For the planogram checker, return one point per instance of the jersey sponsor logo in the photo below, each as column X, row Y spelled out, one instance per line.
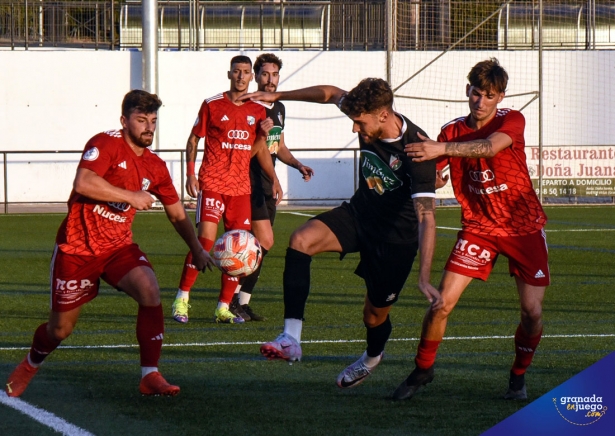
column 480, row 256
column 488, row 191
column 224, row 118
column 145, row 184
column 119, row 206
column 238, row 134
column 91, row 155
column 377, row 174
column 212, row 203
column 482, row 176
column 251, row 120
column 273, row 139
column 122, row 165
column 236, row 146
column 103, row 212
column 69, row 286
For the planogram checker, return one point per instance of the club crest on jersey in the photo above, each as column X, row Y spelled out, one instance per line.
column 91, row 154
column 251, row 120
column 281, row 118
column 145, row 184
column 394, row 162
column 377, row 174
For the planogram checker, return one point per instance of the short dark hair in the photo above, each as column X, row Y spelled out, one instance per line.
column 142, row 101
column 241, row 59
column 267, row 58
column 368, row 96
column 489, row 75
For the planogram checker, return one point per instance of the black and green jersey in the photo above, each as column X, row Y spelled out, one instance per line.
column 277, row 112
column 388, row 182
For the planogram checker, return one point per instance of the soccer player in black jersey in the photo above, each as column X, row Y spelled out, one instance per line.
column 388, row 219
column 267, row 75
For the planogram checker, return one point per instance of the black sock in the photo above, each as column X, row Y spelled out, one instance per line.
column 377, row 337
column 248, row 282
column 296, row 283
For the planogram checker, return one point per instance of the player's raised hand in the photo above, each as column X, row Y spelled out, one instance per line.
column 427, row 149
column 141, row 200
column 192, row 185
column 266, row 125
column 432, row 295
column 306, row 172
column 202, row 260
column 267, row 97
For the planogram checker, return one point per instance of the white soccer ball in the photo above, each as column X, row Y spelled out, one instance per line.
column 237, row 253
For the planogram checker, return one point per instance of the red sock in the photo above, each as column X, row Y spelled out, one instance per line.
column 228, row 286
column 189, row 273
column 525, row 347
column 42, row 344
column 150, row 331
column 426, row 353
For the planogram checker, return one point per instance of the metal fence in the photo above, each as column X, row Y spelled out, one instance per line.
column 305, row 25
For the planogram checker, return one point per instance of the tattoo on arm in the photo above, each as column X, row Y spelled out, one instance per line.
column 477, row 148
column 424, row 206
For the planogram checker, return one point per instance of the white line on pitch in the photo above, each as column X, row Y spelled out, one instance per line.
column 313, row 341
column 457, row 228
column 42, row 416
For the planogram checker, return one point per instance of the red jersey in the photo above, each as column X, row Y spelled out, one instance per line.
column 496, row 194
column 230, row 132
column 94, row 227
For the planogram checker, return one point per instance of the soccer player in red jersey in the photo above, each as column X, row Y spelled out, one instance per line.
column 117, row 176
column 267, row 75
column 501, row 214
column 233, row 133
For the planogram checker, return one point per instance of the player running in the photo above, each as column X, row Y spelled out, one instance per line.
column 387, row 220
column 501, row 214
column 117, row 176
column 232, row 136
column 267, row 75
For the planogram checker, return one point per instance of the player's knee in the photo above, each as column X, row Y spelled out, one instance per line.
column 444, row 310
column 266, row 242
column 531, row 315
column 59, row 332
column 298, row 241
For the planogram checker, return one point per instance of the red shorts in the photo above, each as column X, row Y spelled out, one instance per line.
column 75, row 279
column 475, row 255
column 235, row 210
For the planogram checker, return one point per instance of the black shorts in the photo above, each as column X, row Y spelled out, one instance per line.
column 263, row 206
column 384, row 266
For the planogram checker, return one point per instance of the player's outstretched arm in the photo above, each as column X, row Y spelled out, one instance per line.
column 425, row 212
column 184, row 227
column 192, row 183
column 287, row 157
column 91, row 185
column 313, row 94
column 478, row 148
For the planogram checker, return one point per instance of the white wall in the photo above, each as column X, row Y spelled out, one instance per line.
column 57, row 100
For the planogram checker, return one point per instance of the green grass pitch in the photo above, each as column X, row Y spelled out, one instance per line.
column 229, row 389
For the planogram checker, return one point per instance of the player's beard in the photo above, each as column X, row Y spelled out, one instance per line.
column 143, row 140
